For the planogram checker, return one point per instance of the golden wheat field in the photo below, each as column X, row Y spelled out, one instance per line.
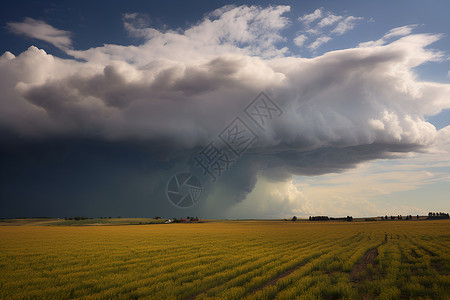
column 228, row 260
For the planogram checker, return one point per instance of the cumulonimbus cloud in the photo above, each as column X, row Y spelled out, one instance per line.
column 182, row 87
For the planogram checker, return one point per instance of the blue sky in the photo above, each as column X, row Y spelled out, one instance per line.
column 97, row 99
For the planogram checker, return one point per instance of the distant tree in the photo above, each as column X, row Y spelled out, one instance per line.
column 294, row 218
column 310, row 218
column 417, row 217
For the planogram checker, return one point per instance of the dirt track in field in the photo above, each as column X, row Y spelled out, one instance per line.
column 368, row 258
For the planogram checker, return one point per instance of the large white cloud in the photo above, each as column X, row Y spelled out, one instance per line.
column 184, row 86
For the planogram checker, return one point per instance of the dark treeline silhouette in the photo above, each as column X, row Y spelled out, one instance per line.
column 77, row 218
column 438, row 215
column 319, row 218
column 326, row 218
column 347, row 218
column 431, row 215
column 398, row 217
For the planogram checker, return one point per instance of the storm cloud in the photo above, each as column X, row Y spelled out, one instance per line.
column 169, row 97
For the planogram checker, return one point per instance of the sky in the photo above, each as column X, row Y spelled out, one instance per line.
column 222, row 109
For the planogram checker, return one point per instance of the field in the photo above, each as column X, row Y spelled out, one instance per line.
column 93, row 222
column 228, row 260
